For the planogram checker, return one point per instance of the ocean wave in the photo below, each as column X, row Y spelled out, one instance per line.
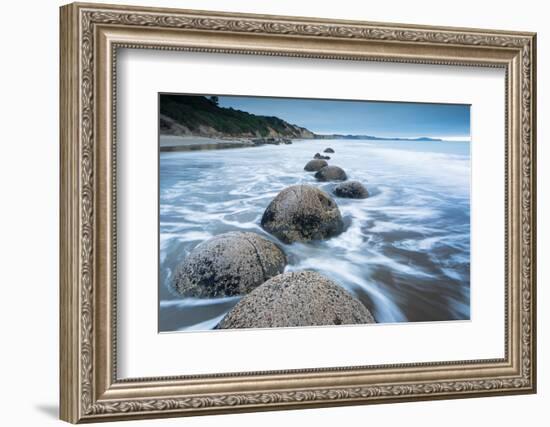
column 405, row 251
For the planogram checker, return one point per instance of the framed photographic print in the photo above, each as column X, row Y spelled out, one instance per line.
column 267, row 212
column 277, row 211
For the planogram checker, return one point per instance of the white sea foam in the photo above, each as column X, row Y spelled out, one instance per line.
column 195, row 302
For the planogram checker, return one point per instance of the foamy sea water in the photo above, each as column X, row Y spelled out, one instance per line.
column 406, row 249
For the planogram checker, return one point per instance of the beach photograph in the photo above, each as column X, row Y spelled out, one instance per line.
column 292, row 212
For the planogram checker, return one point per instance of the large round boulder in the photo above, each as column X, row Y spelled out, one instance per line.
column 303, row 298
column 229, row 264
column 301, row 213
column 351, row 190
column 315, row 165
column 331, row 173
column 328, row 150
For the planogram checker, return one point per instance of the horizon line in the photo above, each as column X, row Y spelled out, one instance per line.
column 442, row 137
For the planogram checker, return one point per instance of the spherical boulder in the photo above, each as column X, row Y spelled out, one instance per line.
column 328, row 150
column 331, row 173
column 229, row 264
column 303, row 298
column 301, row 213
column 351, row 190
column 315, row 165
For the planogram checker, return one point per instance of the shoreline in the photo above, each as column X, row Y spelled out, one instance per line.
column 170, row 143
column 173, row 143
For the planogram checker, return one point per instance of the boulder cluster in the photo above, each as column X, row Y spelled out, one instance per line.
column 327, row 173
column 247, row 264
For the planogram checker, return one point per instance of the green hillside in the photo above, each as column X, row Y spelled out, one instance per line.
column 202, row 116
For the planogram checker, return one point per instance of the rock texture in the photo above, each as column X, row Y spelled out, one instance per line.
column 301, row 213
column 352, row 190
column 331, row 173
column 303, row 298
column 315, row 165
column 230, row 264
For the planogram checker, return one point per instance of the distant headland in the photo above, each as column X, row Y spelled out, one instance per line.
column 374, row 138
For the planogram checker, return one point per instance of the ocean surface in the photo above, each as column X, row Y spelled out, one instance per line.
column 405, row 252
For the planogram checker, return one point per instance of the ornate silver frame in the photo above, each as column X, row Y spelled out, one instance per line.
column 90, row 36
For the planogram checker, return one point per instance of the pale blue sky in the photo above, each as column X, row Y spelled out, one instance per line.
column 384, row 119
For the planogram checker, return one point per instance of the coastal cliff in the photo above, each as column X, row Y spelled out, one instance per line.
column 202, row 116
